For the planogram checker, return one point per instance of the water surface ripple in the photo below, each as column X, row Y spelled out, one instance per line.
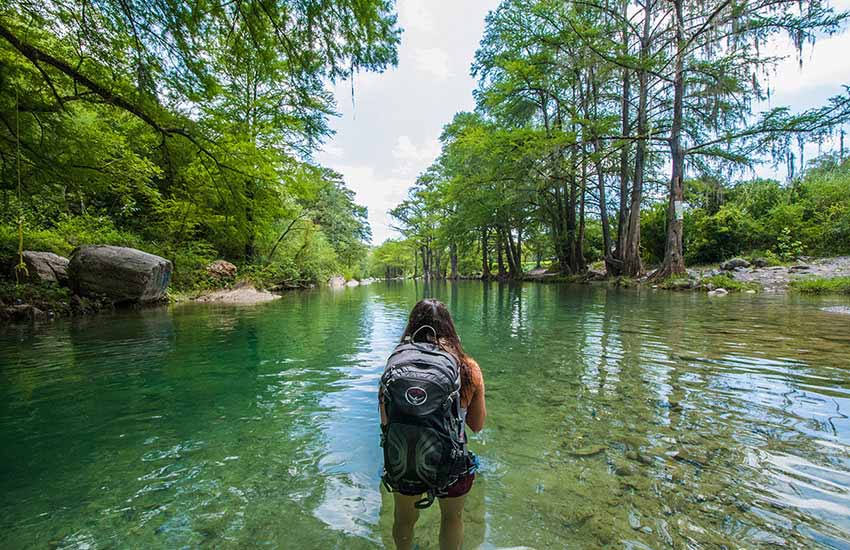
column 618, row 419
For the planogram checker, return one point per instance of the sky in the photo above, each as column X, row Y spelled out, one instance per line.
column 389, row 133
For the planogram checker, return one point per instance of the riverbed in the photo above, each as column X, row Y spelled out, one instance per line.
column 618, row 418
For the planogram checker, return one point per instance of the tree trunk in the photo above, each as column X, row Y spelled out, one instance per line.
column 499, row 253
column 250, row 249
column 426, row 261
column 485, row 254
column 674, row 261
column 623, row 214
column 630, row 257
column 582, row 264
column 453, row 251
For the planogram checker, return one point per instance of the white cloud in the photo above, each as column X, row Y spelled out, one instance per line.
column 379, row 194
column 825, row 65
column 434, row 62
column 331, row 151
column 414, row 15
column 412, row 160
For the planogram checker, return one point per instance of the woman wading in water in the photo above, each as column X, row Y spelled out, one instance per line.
column 430, row 390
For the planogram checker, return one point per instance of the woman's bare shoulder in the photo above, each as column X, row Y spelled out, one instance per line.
column 475, row 372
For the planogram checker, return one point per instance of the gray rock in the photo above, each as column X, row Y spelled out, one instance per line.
column 46, row 267
column 121, row 274
column 719, row 292
column 634, row 520
column 844, row 310
column 800, row 267
column 681, row 284
column 760, row 262
column 733, row 263
column 337, row 282
column 352, row 283
column 21, row 312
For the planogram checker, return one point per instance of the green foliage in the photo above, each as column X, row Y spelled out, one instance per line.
column 726, row 233
column 730, row 284
column 392, row 258
column 788, row 248
column 815, row 285
column 653, row 223
column 185, row 131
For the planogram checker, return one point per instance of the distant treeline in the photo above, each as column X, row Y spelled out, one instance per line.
column 184, row 129
column 756, row 219
column 613, row 131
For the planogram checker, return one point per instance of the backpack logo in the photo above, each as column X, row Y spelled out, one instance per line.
column 416, row 395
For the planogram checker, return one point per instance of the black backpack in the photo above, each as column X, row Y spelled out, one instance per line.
column 423, row 440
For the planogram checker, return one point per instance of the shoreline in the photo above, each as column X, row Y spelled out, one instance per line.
column 47, row 303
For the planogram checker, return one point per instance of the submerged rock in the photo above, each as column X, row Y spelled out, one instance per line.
column 46, row 267
column 634, row 520
column 119, row 273
column 589, row 451
column 843, row 310
column 718, row 292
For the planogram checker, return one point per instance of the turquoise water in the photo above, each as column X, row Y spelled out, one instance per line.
column 617, row 419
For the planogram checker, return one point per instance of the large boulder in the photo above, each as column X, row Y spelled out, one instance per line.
column 121, row 274
column 221, row 270
column 337, row 282
column 734, row 263
column 46, row 267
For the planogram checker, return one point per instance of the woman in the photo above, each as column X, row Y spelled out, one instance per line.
column 432, row 313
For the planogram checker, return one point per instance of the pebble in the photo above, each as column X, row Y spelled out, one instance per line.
column 634, row 520
column 665, row 533
column 624, row 470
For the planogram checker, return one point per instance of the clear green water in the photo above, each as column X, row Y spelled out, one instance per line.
column 705, row 423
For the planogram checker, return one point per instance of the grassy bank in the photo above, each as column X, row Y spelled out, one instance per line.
column 820, row 285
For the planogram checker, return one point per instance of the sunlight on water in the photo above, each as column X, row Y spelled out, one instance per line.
column 617, row 419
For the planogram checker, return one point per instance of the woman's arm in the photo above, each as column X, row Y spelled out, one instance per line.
column 476, row 412
column 381, row 407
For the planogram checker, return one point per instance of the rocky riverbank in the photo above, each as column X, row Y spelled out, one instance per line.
column 777, row 278
column 737, row 274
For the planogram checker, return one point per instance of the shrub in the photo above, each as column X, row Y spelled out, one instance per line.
column 730, row 284
column 818, row 285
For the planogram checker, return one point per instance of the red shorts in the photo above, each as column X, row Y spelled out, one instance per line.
column 456, row 489
column 459, row 487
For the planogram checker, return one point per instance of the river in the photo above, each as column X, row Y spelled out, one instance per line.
column 617, row 419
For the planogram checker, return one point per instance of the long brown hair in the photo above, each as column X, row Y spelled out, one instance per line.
column 434, row 314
